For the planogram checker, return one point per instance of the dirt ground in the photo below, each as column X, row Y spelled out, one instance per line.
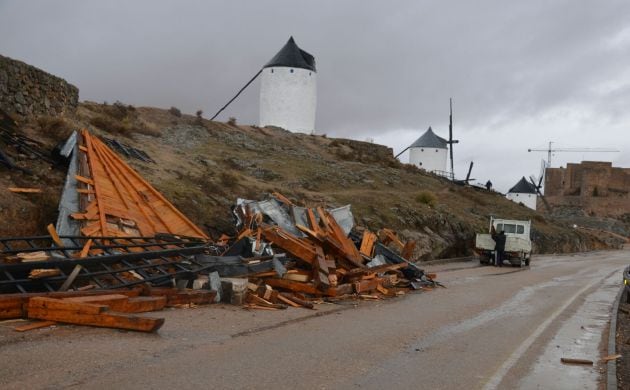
column 623, row 343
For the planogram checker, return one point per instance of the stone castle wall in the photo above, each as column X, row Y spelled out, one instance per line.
column 28, row 91
column 594, row 186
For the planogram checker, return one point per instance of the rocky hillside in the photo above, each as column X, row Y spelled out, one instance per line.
column 204, row 166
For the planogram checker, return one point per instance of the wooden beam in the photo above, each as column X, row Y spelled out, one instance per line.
column 53, row 234
column 89, row 314
column 367, row 243
column 34, row 325
column 70, row 279
column 407, row 251
column 21, row 190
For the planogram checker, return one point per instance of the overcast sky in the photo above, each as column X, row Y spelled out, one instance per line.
column 521, row 73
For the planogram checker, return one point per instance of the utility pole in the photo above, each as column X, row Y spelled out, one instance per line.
column 451, row 141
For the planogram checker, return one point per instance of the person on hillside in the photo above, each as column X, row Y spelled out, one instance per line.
column 488, row 185
column 499, row 248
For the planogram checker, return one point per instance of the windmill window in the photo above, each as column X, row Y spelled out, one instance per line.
column 309, row 73
column 271, row 70
column 422, row 150
column 291, row 70
column 436, row 150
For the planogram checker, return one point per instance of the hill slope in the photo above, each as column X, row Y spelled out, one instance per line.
column 203, row 167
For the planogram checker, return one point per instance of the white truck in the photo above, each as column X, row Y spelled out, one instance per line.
column 518, row 245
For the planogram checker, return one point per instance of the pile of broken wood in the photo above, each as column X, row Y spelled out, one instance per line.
column 323, row 260
column 120, row 248
column 96, row 281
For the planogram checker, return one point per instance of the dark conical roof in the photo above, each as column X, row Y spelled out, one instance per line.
column 292, row 56
column 523, row 187
column 430, row 140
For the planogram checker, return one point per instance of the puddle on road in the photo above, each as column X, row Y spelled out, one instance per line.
column 578, row 337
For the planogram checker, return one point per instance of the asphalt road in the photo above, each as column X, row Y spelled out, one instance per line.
column 491, row 328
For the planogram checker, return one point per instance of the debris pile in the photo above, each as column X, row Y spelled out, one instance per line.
column 120, row 248
column 324, row 257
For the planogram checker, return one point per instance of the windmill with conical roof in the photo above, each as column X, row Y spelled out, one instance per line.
column 524, row 192
column 288, row 90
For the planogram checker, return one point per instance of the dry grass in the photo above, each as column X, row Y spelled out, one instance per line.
column 55, row 127
column 121, row 119
column 427, row 197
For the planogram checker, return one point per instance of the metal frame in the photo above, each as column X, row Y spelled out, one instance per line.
column 157, row 260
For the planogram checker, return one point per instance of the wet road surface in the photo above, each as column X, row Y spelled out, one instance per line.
column 491, row 328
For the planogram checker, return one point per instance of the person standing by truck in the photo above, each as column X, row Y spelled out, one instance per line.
column 499, row 248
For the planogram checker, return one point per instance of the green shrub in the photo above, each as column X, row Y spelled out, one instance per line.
column 427, row 197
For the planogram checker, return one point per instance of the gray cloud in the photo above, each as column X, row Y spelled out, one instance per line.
column 521, row 73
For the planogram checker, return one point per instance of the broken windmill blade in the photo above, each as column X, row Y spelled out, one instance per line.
column 114, row 200
column 467, row 180
column 539, row 192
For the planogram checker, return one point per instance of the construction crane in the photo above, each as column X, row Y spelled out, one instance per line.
column 551, row 150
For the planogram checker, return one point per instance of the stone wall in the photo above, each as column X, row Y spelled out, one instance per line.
column 28, row 91
column 596, row 187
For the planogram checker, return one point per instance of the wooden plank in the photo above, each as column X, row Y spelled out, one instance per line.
column 576, row 361
column 52, row 304
column 84, row 180
column 86, row 249
column 375, row 270
column 296, row 300
column 103, row 319
column 34, row 325
column 293, row 245
column 73, row 275
column 53, row 234
column 612, row 357
column 286, row 300
column 21, row 190
column 256, row 300
column 407, row 251
column 105, row 299
column 141, row 305
column 363, row 286
column 197, row 297
column 367, row 243
column 124, row 304
column 309, row 288
column 32, row 256
column 7, row 313
column 43, row 273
